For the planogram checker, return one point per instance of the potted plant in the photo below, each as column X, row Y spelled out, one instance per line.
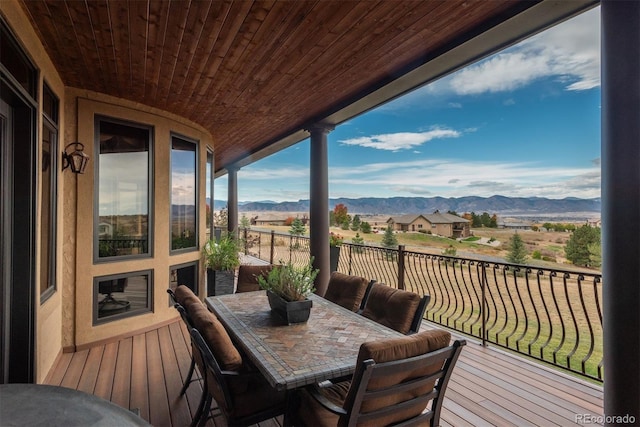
column 221, row 259
column 335, row 241
column 288, row 288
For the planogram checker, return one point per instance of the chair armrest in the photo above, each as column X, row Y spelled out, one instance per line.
column 314, row 392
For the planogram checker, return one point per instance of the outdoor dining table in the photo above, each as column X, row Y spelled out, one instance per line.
column 292, row 356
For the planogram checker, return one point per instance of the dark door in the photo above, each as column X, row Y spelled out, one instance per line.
column 17, row 229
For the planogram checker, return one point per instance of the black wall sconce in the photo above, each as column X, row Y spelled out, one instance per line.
column 76, row 159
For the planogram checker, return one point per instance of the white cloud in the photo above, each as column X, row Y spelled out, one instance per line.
column 569, row 52
column 401, row 140
column 456, row 178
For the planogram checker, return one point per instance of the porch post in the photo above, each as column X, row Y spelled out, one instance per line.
column 232, row 199
column 319, row 204
column 621, row 208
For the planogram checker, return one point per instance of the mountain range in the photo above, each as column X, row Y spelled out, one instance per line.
column 407, row 205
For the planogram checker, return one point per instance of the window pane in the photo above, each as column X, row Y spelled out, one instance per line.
column 183, row 194
column 119, row 297
column 184, row 275
column 123, row 195
column 16, row 63
column 50, row 104
column 47, row 201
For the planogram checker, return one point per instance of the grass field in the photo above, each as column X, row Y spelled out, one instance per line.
column 549, row 315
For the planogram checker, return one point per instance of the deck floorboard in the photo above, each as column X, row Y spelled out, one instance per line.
column 489, row 387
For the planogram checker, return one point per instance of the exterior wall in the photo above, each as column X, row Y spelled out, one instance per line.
column 82, row 108
column 64, row 321
column 419, row 224
column 49, row 313
column 445, row 230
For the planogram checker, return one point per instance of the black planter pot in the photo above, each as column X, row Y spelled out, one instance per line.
column 334, row 257
column 290, row 311
column 219, row 282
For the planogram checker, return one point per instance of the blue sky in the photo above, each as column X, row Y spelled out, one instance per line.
column 523, row 122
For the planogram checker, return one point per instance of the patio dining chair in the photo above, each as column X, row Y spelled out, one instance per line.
column 395, row 308
column 347, row 290
column 184, row 297
column 241, row 392
column 394, row 382
column 248, row 276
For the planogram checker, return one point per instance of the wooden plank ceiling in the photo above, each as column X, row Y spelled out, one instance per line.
column 251, row 72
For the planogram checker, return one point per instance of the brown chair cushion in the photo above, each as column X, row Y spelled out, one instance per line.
column 185, row 296
column 216, row 337
column 342, row 394
column 346, row 290
column 391, row 307
column 248, row 276
column 398, row 349
column 314, row 414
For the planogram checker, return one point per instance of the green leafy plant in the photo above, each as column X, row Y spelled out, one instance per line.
column 290, row 282
column 222, row 255
column 335, row 239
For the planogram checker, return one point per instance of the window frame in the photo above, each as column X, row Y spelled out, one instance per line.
column 150, row 196
column 125, row 314
column 51, row 124
column 196, row 143
column 195, row 265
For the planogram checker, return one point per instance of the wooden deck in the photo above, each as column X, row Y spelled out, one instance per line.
column 488, row 386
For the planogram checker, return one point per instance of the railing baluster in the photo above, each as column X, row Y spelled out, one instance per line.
column 465, row 298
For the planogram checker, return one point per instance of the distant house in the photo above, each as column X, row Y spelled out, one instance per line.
column 409, row 223
column 269, row 220
column 442, row 224
column 514, row 225
column 277, row 219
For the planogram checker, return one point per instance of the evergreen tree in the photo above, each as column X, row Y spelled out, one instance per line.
column 356, row 223
column 365, row 227
column 577, row 248
column 595, row 254
column 389, row 239
column 485, row 219
column 517, row 251
column 357, row 239
column 475, row 220
column 245, row 222
column 297, row 228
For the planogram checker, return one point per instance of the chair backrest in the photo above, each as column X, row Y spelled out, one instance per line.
column 395, row 308
column 248, row 276
column 184, row 297
column 174, row 300
column 216, row 337
column 346, row 290
column 396, row 379
column 211, row 370
column 184, row 315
